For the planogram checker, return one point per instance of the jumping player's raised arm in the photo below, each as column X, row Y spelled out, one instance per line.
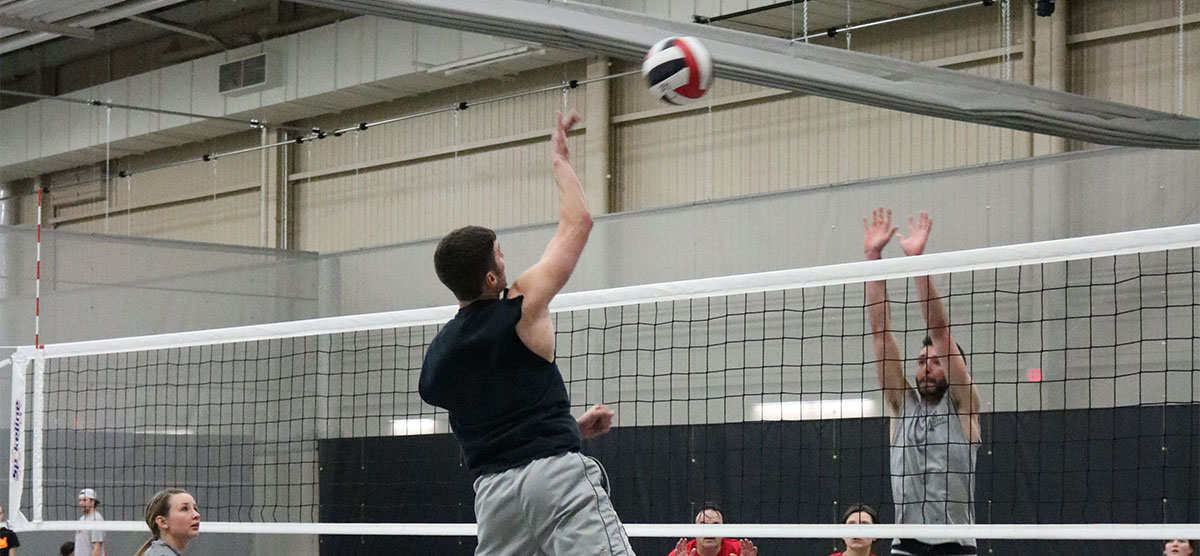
column 542, row 281
column 492, row 368
column 962, row 389
column 888, row 365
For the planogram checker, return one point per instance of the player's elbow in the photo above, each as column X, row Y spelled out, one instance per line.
column 585, row 222
column 579, row 224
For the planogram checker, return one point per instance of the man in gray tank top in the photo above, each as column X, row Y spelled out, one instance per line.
column 934, row 427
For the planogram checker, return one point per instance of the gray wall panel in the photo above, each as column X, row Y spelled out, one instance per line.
column 1070, row 195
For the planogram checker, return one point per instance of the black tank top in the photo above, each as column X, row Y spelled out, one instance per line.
column 508, row 406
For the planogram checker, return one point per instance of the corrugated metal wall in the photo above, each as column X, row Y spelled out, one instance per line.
column 785, row 141
column 1141, row 68
column 488, row 165
column 214, row 201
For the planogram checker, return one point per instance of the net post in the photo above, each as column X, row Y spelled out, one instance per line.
column 39, row 415
column 16, row 450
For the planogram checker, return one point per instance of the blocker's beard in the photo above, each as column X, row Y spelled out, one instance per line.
column 931, row 391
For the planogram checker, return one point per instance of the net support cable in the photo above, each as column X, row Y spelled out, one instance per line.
column 109, row 104
column 849, row 26
column 319, row 134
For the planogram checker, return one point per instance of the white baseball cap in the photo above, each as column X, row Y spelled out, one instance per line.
column 88, row 493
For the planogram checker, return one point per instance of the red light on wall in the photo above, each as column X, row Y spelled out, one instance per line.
column 1034, row 374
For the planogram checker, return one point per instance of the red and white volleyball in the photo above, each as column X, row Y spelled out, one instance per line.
column 678, row 70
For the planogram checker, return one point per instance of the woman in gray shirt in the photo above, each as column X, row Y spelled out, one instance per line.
column 174, row 520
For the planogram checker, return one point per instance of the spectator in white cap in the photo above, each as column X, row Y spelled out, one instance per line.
column 89, row 543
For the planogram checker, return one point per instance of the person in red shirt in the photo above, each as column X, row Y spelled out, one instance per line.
column 858, row 514
column 713, row 546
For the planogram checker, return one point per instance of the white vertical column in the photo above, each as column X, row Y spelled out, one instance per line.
column 597, row 178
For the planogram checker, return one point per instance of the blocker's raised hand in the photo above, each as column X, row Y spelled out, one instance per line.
column 918, row 234
column 877, row 232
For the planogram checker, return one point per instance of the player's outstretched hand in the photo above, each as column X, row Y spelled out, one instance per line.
column 597, row 421
column 559, row 151
column 748, row 548
column 877, row 232
column 918, row 234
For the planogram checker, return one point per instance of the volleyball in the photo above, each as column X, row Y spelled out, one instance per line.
column 678, row 70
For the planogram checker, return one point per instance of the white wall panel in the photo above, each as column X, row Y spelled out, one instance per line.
column 316, row 60
column 205, row 98
column 175, row 92
column 436, row 45
column 116, row 92
column 474, row 44
column 82, row 121
column 27, row 212
column 286, row 65
column 707, row 7
column 290, row 46
column 36, row 132
column 730, row 6
column 682, row 10
column 14, row 125
column 143, row 91
column 396, row 56
column 351, row 68
column 631, row 5
column 56, row 129
column 658, row 9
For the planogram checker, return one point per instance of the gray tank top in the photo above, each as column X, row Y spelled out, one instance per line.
column 933, row 466
column 159, row 548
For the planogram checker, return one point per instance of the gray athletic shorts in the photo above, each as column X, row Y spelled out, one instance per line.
column 555, row 506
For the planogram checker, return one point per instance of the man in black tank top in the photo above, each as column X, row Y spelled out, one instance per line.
column 492, row 368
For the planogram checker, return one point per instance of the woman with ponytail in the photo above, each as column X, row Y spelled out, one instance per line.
column 174, row 520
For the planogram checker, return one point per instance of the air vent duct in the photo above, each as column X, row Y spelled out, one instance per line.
column 243, row 76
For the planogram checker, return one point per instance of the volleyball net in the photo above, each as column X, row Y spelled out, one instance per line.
column 757, row 391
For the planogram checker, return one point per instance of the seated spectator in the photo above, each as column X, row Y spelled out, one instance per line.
column 8, row 539
column 713, row 546
column 855, row 515
column 1179, row 547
